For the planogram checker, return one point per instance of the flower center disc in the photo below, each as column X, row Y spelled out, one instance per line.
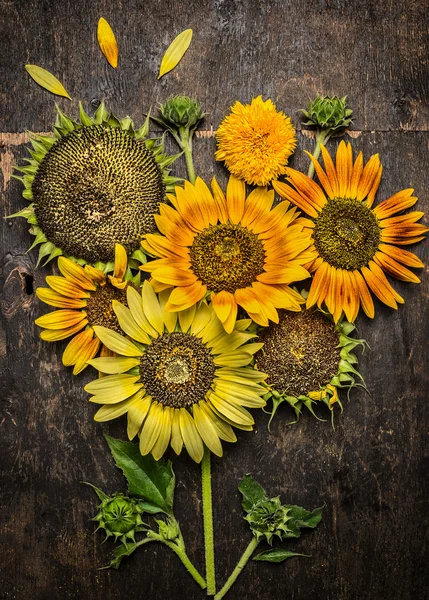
column 99, row 310
column 300, row 353
column 177, row 369
column 346, row 233
column 97, row 186
column 227, row 257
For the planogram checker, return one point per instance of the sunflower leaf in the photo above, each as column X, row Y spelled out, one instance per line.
column 175, row 52
column 46, row 80
column 252, row 492
column 152, row 480
column 276, row 555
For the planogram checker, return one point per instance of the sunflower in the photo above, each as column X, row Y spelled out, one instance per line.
column 307, row 358
column 241, row 250
column 255, row 141
column 356, row 245
column 84, row 296
column 91, row 185
column 179, row 377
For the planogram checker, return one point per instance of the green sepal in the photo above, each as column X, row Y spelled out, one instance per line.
column 101, row 495
column 84, row 118
column 100, row 114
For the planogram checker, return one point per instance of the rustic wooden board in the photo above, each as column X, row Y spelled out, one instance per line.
column 371, row 472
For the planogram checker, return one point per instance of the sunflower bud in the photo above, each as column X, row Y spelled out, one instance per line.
column 181, row 112
column 120, row 517
column 168, row 530
column 328, row 112
column 269, row 518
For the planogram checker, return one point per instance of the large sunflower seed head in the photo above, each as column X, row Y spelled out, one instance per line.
column 181, row 111
column 328, row 112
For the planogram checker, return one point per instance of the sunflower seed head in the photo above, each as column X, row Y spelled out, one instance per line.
column 328, row 112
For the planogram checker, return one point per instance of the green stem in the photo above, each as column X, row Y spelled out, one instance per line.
column 208, row 522
column 186, row 145
column 240, row 566
column 187, row 563
column 179, row 549
column 322, row 136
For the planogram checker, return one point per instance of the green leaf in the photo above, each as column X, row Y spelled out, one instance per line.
column 46, row 80
column 101, row 495
column 119, row 553
column 252, row 492
column 306, row 518
column 276, row 555
column 147, row 478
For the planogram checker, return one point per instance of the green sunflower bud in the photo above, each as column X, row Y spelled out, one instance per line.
column 328, row 112
column 168, row 530
column 268, row 518
column 181, row 112
column 120, row 517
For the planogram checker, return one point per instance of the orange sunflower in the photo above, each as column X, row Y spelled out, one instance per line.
column 242, row 251
column 84, row 296
column 355, row 244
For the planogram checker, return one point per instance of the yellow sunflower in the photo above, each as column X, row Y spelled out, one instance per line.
column 243, row 251
column 355, row 244
column 255, row 141
column 84, row 296
column 180, row 378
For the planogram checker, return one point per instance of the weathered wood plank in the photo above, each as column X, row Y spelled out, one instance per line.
column 372, row 470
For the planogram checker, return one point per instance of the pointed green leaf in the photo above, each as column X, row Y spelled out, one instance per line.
column 46, row 80
column 147, row 478
column 277, row 555
column 252, row 492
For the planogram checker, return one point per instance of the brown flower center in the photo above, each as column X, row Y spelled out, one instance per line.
column 227, row 257
column 300, row 354
column 177, row 369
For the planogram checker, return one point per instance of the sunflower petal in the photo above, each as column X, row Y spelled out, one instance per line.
column 107, row 42
column 137, row 413
column 152, row 308
column 151, row 428
column 128, row 323
column 163, row 440
column 235, row 197
column 116, row 342
column 190, row 435
column 113, row 365
column 207, row 430
column 75, row 273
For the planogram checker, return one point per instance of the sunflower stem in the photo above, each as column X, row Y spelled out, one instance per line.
column 179, row 549
column 322, row 136
column 240, row 566
column 186, row 145
column 208, row 522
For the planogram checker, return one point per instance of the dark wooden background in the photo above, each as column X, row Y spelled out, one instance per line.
column 372, row 470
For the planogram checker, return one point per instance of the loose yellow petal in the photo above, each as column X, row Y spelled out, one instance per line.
column 46, row 80
column 107, row 41
column 175, row 52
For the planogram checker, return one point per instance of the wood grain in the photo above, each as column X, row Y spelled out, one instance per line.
column 371, row 472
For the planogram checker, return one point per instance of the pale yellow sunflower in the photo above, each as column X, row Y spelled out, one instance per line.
column 355, row 243
column 255, row 141
column 84, row 296
column 243, row 251
column 181, row 380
